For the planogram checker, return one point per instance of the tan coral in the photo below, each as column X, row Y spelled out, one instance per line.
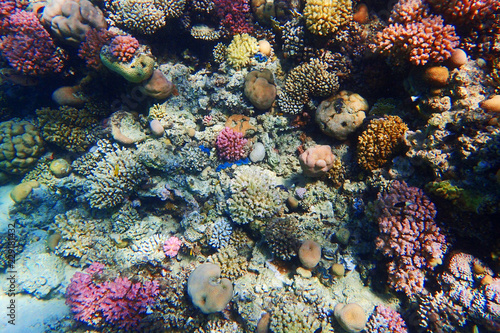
column 241, row 50
column 378, row 143
column 326, row 17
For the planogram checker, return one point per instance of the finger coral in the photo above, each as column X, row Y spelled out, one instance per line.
column 379, row 142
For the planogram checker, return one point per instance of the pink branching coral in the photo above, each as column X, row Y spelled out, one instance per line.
column 416, row 35
column 172, row 246
column 89, row 49
column 466, row 12
column 119, row 302
column 385, row 320
column 123, row 47
column 408, row 235
column 231, row 145
column 28, row 47
column 235, row 16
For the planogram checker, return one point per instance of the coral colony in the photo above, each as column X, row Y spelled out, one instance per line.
column 250, row 166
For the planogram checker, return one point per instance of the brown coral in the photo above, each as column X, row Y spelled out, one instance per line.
column 378, row 143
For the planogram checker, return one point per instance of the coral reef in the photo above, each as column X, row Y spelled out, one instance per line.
column 409, row 236
column 325, row 18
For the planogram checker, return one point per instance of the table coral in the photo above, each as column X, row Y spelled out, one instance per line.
column 28, row 47
column 379, row 142
column 409, row 236
column 326, row 17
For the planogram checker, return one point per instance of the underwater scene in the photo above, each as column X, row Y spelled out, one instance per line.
column 233, row 166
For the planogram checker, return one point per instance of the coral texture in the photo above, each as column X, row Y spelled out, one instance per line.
column 89, row 49
column 241, row 50
column 28, row 47
column 231, row 145
column 416, row 35
column 119, row 302
column 172, row 246
column 283, row 237
column 326, row 17
column 123, row 47
column 386, row 320
column 466, row 12
column 144, row 17
column 379, row 142
column 235, row 16
column 409, row 236
column 317, row 161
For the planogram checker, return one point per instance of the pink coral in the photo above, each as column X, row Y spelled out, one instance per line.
column 466, row 12
column 235, row 16
column 385, row 320
column 231, row 145
column 409, row 235
column 172, row 246
column 123, row 47
column 416, row 35
column 28, row 47
column 119, row 302
column 89, row 49
column 317, row 160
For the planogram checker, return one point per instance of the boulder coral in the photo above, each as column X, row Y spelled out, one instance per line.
column 260, row 88
column 342, row 114
column 351, row 317
column 317, row 160
column 207, row 290
column 310, row 253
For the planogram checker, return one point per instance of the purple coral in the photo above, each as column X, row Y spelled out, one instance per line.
column 119, row 302
column 172, row 246
column 231, row 145
column 386, row 320
column 409, row 235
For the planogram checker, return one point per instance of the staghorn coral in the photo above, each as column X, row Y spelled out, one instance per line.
column 253, row 195
column 241, row 50
column 409, row 236
column 21, row 145
column 326, row 17
column 69, row 128
column 309, row 79
column 379, row 141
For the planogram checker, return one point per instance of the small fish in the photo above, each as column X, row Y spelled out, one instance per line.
column 116, row 171
column 415, row 98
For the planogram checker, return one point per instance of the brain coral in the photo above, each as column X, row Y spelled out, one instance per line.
column 241, row 50
column 326, row 17
column 253, row 194
column 379, row 141
column 20, row 146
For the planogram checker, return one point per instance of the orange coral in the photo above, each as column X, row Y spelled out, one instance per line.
column 378, row 143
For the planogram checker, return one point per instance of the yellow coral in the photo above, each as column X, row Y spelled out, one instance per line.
column 379, row 141
column 324, row 17
column 241, row 50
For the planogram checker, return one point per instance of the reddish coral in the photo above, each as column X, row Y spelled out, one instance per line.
column 235, row 16
column 28, row 47
column 231, row 145
column 466, row 12
column 89, row 49
column 408, row 235
column 385, row 319
column 123, row 47
column 119, row 302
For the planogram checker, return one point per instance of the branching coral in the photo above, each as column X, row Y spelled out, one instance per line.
column 379, row 142
column 326, row 17
column 409, row 236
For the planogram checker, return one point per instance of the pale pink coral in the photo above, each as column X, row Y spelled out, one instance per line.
column 409, row 235
column 385, row 320
column 172, row 246
column 317, row 160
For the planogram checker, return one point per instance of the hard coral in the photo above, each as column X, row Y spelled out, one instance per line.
column 235, row 16
column 89, row 49
column 282, row 235
column 317, row 161
column 386, row 320
column 119, row 302
column 231, row 145
column 378, row 143
column 241, row 50
column 145, row 17
column 28, row 47
column 123, row 47
column 466, row 12
column 409, row 236
column 260, row 88
column 326, row 17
